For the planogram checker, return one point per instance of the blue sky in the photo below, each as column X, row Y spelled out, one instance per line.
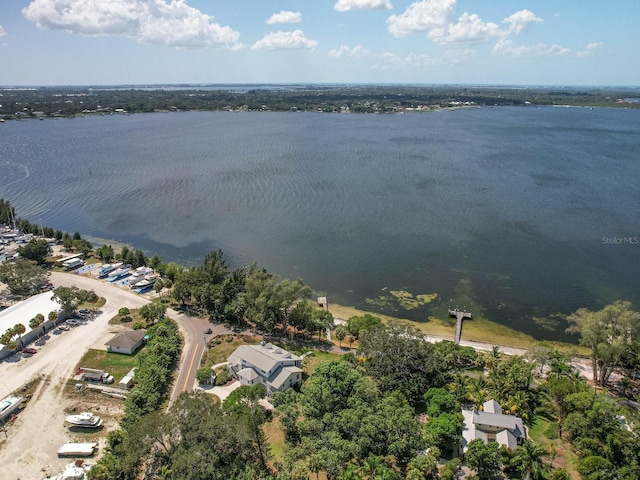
column 521, row 42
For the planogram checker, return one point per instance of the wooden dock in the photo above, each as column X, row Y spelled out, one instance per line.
column 459, row 315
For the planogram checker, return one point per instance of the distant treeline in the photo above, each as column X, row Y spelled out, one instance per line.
column 70, row 101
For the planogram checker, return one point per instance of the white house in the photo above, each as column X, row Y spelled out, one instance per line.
column 127, row 342
column 491, row 425
column 23, row 312
column 267, row 365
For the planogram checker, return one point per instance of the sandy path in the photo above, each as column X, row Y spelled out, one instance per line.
column 30, row 449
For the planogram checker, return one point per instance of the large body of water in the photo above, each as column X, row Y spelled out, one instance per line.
column 522, row 214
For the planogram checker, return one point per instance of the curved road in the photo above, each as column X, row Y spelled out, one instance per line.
column 191, row 328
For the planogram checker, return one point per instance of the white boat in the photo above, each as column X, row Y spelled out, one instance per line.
column 74, row 471
column 9, row 405
column 84, row 419
column 147, row 282
column 119, row 271
column 105, row 269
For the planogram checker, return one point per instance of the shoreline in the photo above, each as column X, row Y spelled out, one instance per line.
column 480, row 334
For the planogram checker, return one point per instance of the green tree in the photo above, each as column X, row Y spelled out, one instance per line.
column 528, row 459
column 340, row 333
column 400, row 359
column 22, row 277
column 152, row 312
column 105, row 253
column 37, row 250
column 484, row 458
column 444, row 432
column 606, row 332
column 360, row 324
column 440, row 401
column 70, row 297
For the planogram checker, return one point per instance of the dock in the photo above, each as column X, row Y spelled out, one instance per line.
column 460, row 316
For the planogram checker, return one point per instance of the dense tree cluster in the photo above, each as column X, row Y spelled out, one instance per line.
column 69, row 101
column 22, row 277
column 130, row 446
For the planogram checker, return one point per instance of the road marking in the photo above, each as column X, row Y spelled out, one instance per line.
column 193, row 359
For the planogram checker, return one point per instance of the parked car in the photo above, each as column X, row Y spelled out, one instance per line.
column 29, row 350
column 72, row 322
column 64, row 327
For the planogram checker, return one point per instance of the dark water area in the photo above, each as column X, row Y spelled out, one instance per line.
column 520, row 214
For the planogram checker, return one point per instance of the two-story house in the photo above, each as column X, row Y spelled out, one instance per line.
column 267, row 365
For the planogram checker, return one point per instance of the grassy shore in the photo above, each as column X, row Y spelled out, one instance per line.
column 482, row 330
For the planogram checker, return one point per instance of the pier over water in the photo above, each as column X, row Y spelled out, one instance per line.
column 459, row 315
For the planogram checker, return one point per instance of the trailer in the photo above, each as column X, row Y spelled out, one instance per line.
column 94, row 375
column 77, row 449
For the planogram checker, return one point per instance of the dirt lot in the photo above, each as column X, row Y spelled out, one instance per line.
column 29, row 449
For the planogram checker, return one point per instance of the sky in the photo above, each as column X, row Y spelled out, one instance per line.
column 471, row 42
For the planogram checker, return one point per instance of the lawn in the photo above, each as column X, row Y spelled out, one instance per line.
column 117, row 364
column 222, row 346
column 275, row 439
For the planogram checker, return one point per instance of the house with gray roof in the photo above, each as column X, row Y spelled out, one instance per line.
column 265, row 364
column 491, row 425
column 127, row 342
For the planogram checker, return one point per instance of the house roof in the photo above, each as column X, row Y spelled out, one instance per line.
column 264, row 357
column 248, row 374
column 25, row 310
column 283, row 375
column 127, row 339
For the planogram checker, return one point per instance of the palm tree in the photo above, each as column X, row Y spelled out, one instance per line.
column 459, row 387
column 528, row 459
column 492, row 358
column 34, row 323
column 477, row 391
column 18, row 330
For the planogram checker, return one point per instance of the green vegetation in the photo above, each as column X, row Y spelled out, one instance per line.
column 70, row 101
column 23, row 277
column 116, row 364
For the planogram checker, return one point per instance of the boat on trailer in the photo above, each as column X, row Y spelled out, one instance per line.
column 84, row 419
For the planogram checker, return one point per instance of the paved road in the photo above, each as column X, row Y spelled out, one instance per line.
column 192, row 328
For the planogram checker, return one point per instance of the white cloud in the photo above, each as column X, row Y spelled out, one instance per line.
column 148, row 21
column 422, row 16
column 589, row 49
column 468, row 29
column 348, row 5
column 414, row 60
column 2, row 31
column 521, row 20
column 345, row 51
column 285, row 16
column 506, row 47
column 284, row 41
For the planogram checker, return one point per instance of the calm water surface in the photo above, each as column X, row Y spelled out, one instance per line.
column 510, row 212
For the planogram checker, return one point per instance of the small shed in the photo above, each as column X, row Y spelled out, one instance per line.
column 127, row 342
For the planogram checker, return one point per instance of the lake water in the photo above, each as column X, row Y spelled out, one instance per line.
column 521, row 214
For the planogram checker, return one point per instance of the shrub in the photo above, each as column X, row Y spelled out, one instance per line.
column 551, row 432
column 124, row 311
column 223, row 377
column 138, row 326
column 204, row 374
column 126, row 319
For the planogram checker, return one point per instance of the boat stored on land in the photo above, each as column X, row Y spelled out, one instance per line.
column 9, row 405
column 74, row 471
column 84, row 419
column 77, row 449
column 105, row 269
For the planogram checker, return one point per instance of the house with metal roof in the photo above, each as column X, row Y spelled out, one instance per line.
column 491, row 425
column 265, row 364
column 127, row 342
